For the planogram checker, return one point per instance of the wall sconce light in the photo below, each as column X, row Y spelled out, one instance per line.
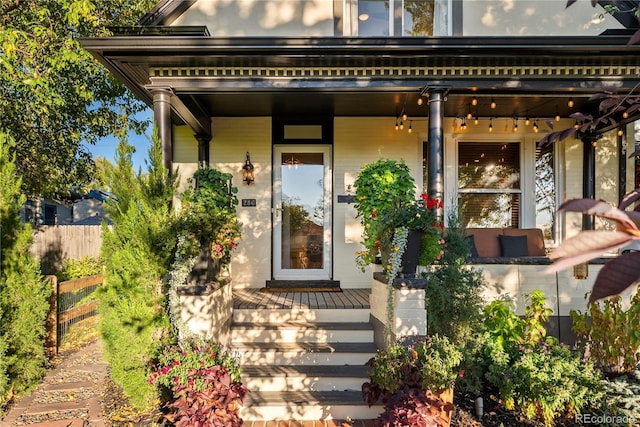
column 247, row 171
column 581, row 271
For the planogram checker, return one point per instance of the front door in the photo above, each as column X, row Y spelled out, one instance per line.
column 302, row 212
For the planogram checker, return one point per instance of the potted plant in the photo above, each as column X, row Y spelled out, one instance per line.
column 210, row 223
column 385, row 201
column 201, row 382
column 414, row 374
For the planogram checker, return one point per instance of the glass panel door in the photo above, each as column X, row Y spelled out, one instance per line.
column 302, row 213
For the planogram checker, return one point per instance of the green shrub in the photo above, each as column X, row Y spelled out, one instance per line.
column 24, row 293
column 534, row 374
column 609, row 334
column 76, row 268
column 137, row 254
column 453, row 295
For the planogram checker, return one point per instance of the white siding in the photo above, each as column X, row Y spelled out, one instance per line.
column 232, row 138
column 534, row 17
column 357, row 141
column 225, row 18
column 185, row 154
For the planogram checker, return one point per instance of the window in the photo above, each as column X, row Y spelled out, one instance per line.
column 545, row 192
column 489, row 187
column 407, row 18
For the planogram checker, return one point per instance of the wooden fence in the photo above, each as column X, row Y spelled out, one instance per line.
column 70, row 302
column 54, row 243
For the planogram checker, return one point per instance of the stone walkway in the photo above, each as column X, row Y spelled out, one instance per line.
column 69, row 396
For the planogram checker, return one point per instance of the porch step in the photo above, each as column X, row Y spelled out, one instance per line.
column 284, row 353
column 304, row 363
column 309, row 378
column 302, row 331
column 307, row 405
column 281, row 315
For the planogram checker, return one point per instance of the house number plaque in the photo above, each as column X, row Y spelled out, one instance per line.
column 249, row 203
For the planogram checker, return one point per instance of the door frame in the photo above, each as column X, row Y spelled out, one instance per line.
column 279, row 273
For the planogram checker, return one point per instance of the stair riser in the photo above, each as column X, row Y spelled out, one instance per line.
column 297, row 358
column 304, row 383
column 321, row 315
column 309, row 412
column 300, row 335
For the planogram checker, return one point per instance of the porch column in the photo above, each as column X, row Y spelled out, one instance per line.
column 622, row 163
column 162, row 122
column 203, row 150
column 435, row 145
column 588, row 175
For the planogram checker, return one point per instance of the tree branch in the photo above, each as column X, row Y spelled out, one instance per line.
column 8, row 7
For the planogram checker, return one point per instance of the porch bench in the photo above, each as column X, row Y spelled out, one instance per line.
column 507, row 246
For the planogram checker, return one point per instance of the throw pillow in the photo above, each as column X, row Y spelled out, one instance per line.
column 471, row 241
column 513, row 246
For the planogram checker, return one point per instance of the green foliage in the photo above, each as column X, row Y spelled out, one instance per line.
column 181, row 362
column 76, row 268
column 204, row 382
column 24, row 293
column 137, row 254
column 382, row 189
column 435, row 359
column 54, row 96
column 609, row 334
column 621, row 397
column 453, row 296
column 209, row 213
column 538, row 376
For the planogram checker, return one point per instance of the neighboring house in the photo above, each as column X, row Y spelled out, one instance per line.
column 79, row 209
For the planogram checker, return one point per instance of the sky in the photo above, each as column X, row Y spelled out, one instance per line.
column 106, row 147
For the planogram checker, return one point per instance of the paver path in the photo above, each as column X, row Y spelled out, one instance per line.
column 69, row 396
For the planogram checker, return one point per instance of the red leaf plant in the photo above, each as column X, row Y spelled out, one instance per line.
column 618, row 274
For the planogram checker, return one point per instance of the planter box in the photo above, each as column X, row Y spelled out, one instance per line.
column 409, row 312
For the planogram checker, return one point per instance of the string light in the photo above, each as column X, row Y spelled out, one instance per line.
column 401, row 125
column 557, row 114
column 474, row 101
column 476, row 120
column 625, row 114
column 535, row 126
column 576, row 125
column 570, row 103
column 620, row 132
column 515, row 124
column 490, row 125
column 410, row 126
column 493, row 104
column 527, row 122
column 420, row 101
column 397, row 127
column 404, row 116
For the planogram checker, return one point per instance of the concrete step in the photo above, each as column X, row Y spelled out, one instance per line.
column 300, row 378
column 288, row 354
column 307, row 405
column 302, row 331
column 277, row 315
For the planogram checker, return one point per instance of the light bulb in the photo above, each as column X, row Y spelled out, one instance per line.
column 476, row 121
column 474, row 101
column 576, row 125
column 397, row 127
column 527, row 121
column 625, row 114
column 570, row 103
column 535, row 126
column 493, row 104
column 490, row 125
column 401, row 125
column 420, row 101
column 410, row 126
column 620, row 132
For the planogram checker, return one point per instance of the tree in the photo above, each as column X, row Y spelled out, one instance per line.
column 53, row 95
column 24, row 294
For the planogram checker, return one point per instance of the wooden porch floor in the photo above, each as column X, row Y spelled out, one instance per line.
column 253, row 298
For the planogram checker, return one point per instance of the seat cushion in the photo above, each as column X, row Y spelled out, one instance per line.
column 486, row 241
column 535, row 239
column 513, row 246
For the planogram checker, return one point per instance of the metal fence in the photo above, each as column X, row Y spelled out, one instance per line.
column 71, row 301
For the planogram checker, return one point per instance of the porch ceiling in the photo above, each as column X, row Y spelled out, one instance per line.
column 209, row 78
